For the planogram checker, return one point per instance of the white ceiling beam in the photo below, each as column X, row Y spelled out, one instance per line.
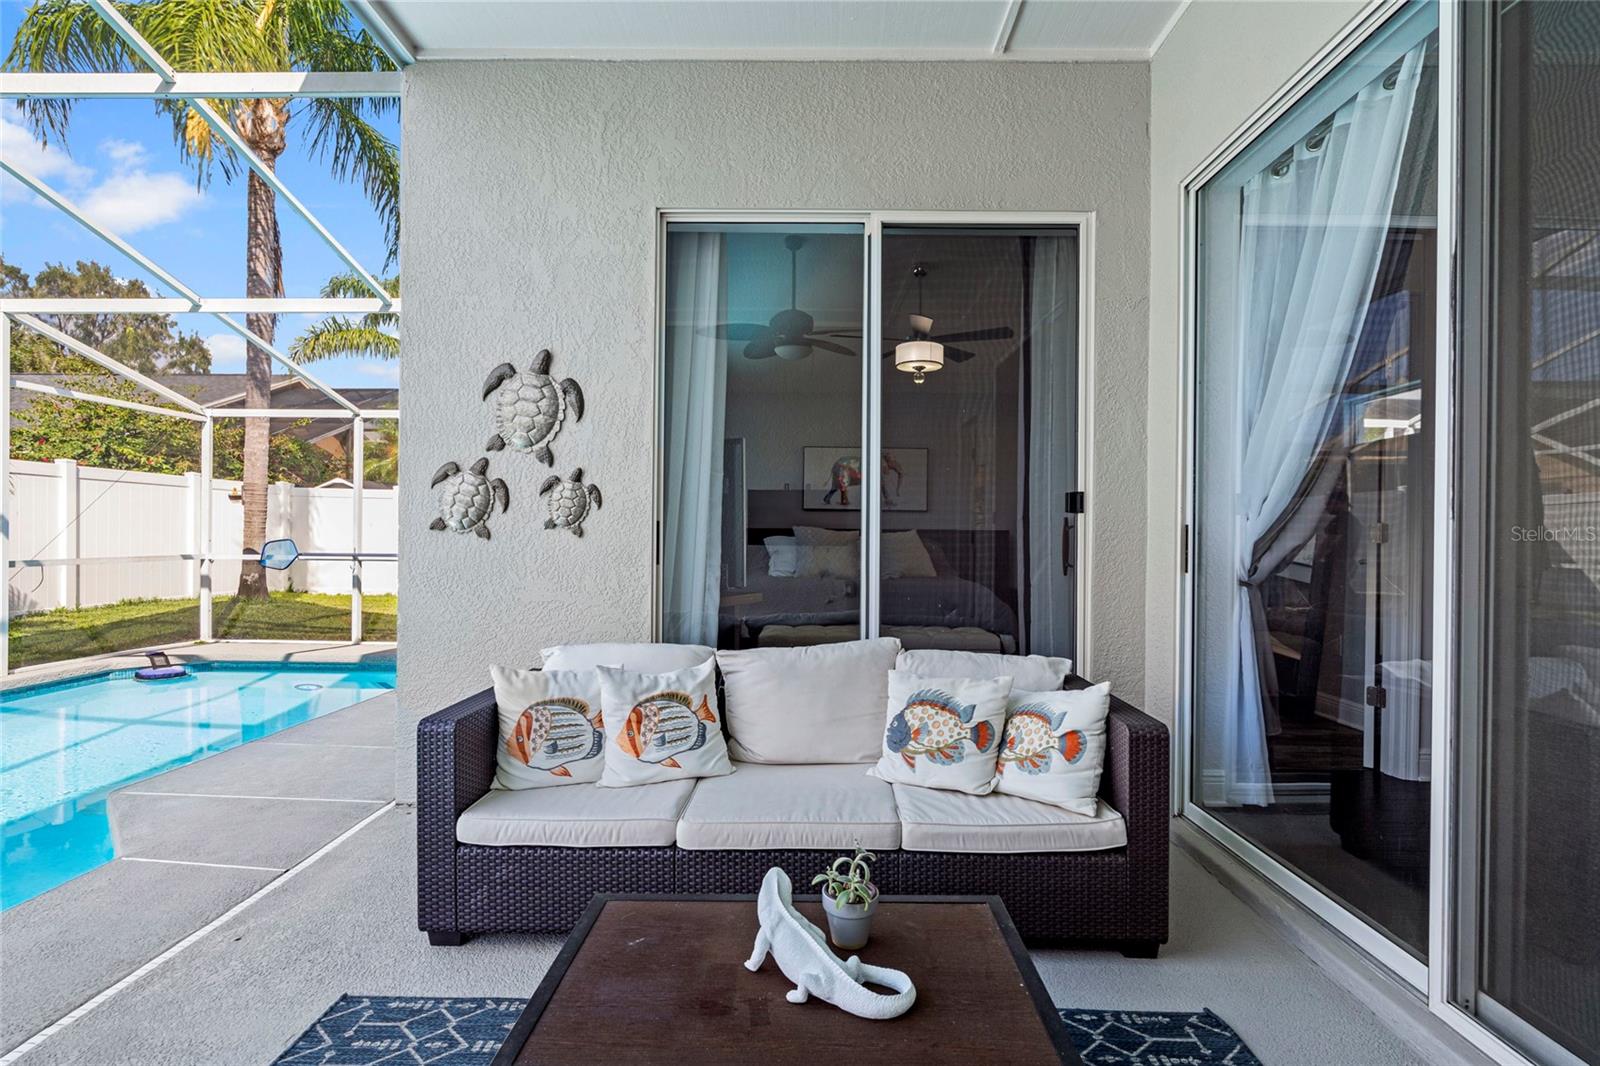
column 94, row 227
column 224, row 129
column 95, row 305
column 109, row 401
column 73, row 344
column 301, row 412
column 1008, row 27
column 394, row 42
column 288, row 364
column 130, row 36
column 229, row 86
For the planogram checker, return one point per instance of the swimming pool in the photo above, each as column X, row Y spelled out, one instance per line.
column 65, row 746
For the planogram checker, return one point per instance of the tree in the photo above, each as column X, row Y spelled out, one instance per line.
column 149, row 343
column 382, row 453
column 371, row 336
column 236, row 35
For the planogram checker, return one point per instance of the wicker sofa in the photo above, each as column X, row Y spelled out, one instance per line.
column 1113, row 896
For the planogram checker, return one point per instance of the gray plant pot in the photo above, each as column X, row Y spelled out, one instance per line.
column 849, row 924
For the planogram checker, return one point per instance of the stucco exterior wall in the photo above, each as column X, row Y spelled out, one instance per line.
column 530, row 191
column 1221, row 62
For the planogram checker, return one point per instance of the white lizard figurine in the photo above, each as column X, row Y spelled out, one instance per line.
column 805, row 958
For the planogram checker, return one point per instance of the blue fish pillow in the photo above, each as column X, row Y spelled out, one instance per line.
column 1054, row 747
column 550, row 727
column 943, row 732
column 661, row 727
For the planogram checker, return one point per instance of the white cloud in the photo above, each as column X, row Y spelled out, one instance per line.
column 227, row 353
column 123, row 154
column 388, row 373
column 46, row 162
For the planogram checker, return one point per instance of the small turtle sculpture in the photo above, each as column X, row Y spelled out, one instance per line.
column 570, row 501
column 530, row 406
column 468, row 498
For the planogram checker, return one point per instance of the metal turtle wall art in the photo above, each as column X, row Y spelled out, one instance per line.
column 468, row 497
column 570, row 501
column 529, row 407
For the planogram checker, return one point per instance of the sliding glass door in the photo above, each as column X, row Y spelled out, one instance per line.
column 950, row 438
column 1314, row 417
column 1528, row 841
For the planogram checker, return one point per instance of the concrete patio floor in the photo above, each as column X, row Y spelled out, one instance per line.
column 302, row 922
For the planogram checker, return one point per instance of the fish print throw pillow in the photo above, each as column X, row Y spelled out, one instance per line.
column 661, row 727
column 943, row 732
column 551, row 732
column 1054, row 747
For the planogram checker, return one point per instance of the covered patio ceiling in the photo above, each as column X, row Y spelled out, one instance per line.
column 766, row 29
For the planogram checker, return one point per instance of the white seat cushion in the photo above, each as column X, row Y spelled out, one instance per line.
column 766, row 806
column 577, row 816
column 933, row 819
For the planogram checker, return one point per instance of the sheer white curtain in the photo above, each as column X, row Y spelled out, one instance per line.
column 1052, row 439
column 1313, row 230
column 692, row 416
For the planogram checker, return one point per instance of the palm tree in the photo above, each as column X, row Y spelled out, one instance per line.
column 372, row 336
column 236, row 35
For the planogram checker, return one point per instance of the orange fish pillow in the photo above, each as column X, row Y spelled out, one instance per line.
column 661, row 727
column 1054, row 747
column 943, row 732
column 551, row 731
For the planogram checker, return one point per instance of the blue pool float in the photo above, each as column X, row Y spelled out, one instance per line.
column 161, row 668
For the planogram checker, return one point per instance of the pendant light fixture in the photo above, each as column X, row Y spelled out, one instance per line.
column 919, row 356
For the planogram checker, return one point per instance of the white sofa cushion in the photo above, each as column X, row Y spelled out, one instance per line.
column 1028, row 673
column 661, row 727
column 578, row 816
column 1054, row 746
column 764, row 806
column 821, row 704
column 642, row 658
column 938, row 820
column 942, row 732
column 550, row 731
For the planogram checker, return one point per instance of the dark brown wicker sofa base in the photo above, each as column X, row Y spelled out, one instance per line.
column 1114, row 897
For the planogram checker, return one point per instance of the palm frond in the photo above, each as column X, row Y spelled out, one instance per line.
column 356, row 150
column 339, row 338
column 351, row 287
column 63, row 36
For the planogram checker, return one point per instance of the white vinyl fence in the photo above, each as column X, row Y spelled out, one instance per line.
column 61, row 510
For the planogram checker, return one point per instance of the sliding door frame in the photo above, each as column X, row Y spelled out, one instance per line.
column 873, row 223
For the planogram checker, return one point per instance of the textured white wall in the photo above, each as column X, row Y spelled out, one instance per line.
column 1220, row 63
column 530, row 191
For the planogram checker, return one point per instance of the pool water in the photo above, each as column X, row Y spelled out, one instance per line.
column 65, row 746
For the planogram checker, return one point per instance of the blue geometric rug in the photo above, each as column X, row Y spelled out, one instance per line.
column 369, row 1030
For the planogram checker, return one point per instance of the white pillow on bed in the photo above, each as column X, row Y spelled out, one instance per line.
column 783, row 556
column 1028, row 673
column 829, row 560
column 904, row 555
column 817, row 537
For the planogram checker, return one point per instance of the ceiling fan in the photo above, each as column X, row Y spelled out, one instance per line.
column 921, row 329
column 788, row 335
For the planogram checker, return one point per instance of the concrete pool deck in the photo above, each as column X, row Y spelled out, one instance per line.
column 191, row 843
column 250, row 651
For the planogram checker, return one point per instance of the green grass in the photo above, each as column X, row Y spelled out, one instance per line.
column 68, row 633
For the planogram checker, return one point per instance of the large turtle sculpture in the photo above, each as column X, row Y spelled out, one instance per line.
column 570, row 501
column 468, row 498
column 530, row 406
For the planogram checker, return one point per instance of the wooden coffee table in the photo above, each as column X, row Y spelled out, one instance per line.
column 661, row 979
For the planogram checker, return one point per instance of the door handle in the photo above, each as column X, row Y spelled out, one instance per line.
column 1069, row 554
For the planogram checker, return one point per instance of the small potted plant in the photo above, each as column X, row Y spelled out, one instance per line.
column 849, row 898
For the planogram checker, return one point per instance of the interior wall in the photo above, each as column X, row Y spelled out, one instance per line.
column 1195, row 105
column 530, row 191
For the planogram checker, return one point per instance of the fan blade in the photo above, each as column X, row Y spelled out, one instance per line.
column 958, row 355
column 735, row 331
column 853, row 331
column 760, row 349
column 828, row 346
column 995, row 333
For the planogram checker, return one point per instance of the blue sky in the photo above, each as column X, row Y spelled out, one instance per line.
column 120, row 165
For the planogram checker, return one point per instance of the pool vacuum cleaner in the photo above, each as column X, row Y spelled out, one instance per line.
column 161, row 668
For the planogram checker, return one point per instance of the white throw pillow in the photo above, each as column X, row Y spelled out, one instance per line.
column 1028, row 673
column 783, row 556
column 661, row 727
column 817, row 537
column 1054, row 747
column 829, row 560
column 904, row 555
column 644, row 658
column 817, row 704
column 943, row 732
column 550, row 727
